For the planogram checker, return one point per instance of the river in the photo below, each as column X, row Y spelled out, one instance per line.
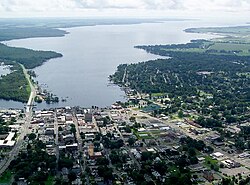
column 92, row 53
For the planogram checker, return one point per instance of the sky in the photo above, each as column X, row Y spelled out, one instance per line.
column 126, row 8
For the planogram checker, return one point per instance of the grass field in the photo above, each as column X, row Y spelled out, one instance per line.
column 231, row 46
column 50, row 180
column 232, row 31
column 138, row 135
column 217, row 46
column 6, row 177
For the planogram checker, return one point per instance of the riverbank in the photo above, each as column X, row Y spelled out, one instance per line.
column 91, row 54
column 14, row 85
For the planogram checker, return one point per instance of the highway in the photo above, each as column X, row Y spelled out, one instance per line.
column 25, row 128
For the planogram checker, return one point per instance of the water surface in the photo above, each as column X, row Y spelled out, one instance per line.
column 92, row 53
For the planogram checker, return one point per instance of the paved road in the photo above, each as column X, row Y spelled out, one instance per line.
column 82, row 152
column 24, row 130
column 186, row 133
column 32, row 91
column 56, row 143
column 127, row 148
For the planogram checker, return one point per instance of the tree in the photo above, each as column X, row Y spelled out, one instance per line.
column 131, row 141
column 180, row 114
column 65, row 162
column 32, row 136
column 105, row 172
column 102, row 161
column 191, row 152
column 72, row 176
column 60, row 128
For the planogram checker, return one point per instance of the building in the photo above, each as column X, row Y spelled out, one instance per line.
column 90, row 136
column 6, row 142
column 217, row 155
column 49, row 131
column 88, row 117
column 208, row 175
column 92, row 154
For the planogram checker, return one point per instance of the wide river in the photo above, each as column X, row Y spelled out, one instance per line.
column 92, row 53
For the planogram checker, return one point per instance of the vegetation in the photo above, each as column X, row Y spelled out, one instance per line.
column 214, row 86
column 14, row 86
column 30, row 28
column 35, row 165
column 5, row 177
column 233, row 34
column 29, row 58
column 11, row 33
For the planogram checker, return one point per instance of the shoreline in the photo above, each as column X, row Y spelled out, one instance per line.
column 97, row 25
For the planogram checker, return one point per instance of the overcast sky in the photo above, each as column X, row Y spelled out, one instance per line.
column 125, row 8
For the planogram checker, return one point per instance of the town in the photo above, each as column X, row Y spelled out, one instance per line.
column 126, row 143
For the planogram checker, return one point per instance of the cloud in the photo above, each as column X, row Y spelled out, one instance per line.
column 78, row 7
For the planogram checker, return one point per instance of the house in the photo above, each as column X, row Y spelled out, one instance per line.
column 92, row 154
column 72, row 147
column 217, row 155
column 90, row 136
column 88, row 117
column 49, row 131
column 68, row 137
column 208, row 175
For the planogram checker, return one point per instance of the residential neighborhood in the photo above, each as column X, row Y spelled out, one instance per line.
column 116, row 145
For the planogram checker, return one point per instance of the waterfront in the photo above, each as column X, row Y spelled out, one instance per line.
column 92, row 53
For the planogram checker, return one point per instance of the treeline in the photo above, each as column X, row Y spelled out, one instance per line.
column 29, row 58
column 9, row 33
column 199, row 43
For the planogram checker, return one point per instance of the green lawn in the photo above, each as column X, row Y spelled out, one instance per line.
column 209, row 162
column 158, row 94
column 6, row 177
column 137, row 134
column 230, row 46
column 50, row 180
column 219, row 46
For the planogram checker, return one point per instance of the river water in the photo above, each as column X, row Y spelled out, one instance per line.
column 92, row 53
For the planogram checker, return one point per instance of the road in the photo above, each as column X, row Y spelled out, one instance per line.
column 24, row 130
column 56, row 143
column 80, row 143
column 198, row 137
column 32, row 91
column 127, row 148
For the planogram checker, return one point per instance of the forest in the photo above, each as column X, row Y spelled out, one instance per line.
column 29, row 58
column 215, row 86
column 14, row 86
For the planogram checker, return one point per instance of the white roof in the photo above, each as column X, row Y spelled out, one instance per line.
column 74, row 144
column 10, row 136
column 164, row 128
column 141, row 129
column 218, row 154
column 8, row 143
column 150, row 150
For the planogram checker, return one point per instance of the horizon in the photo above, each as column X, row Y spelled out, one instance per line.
column 144, row 9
